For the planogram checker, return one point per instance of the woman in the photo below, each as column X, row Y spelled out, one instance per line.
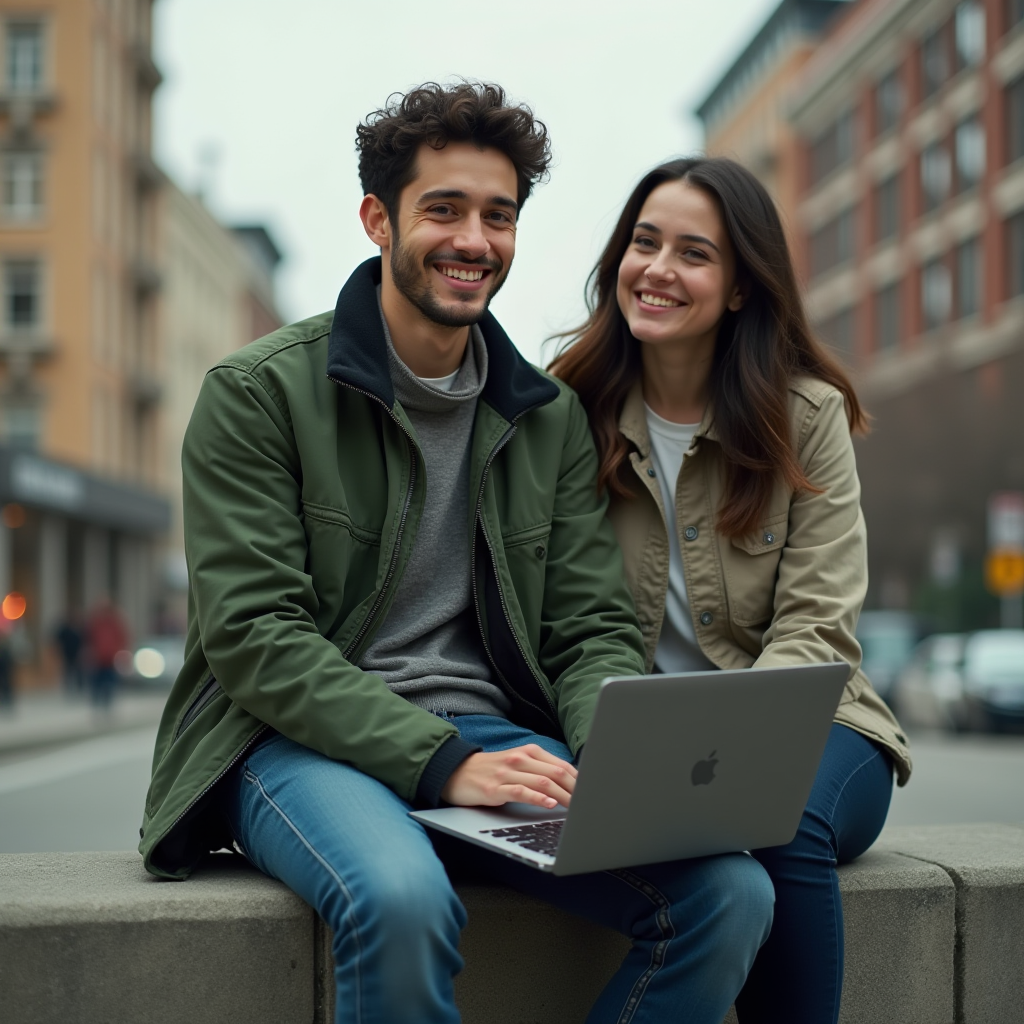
column 723, row 433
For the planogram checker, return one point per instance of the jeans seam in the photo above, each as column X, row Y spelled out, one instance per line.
column 664, row 921
column 350, row 912
column 837, row 993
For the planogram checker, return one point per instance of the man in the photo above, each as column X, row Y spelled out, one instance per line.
column 404, row 591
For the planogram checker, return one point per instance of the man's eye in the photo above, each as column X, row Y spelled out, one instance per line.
column 442, row 209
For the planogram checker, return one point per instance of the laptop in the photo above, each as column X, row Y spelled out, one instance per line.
column 675, row 766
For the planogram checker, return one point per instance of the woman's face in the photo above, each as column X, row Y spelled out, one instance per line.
column 678, row 276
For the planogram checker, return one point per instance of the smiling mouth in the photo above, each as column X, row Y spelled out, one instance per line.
column 469, row 275
column 649, row 299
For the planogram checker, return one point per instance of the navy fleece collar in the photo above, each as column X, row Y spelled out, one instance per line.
column 357, row 352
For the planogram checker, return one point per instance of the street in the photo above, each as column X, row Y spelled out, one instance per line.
column 88, row 795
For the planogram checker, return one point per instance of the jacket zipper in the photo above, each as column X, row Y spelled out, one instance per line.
column 205, row 695
column 372, row 614
column 195, row 708
column 479, row 521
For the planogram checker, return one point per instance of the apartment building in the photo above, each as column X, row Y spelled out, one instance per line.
column 744, row 114
column 911, row 207
column 118, row 292
column 79, row 394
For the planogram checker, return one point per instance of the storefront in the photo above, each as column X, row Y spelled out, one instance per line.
column 69, row 539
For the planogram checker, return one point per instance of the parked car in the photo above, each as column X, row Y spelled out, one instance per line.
column 930, row 690
column 155, row 662
column 994, row 678
column 887, row 639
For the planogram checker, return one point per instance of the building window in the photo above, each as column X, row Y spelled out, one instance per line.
column 936, row 176
column 23, row 423
column 22, row 296
column 889, row 101
column 833, row 148
column 1015, row 119
column 24, row 56
column 1015, row 254
column 887, row 317
column 934, row 62
column 834, row 242
column 969, row 33
column 887, row 209
column 23, row 187
column 837, row 331
column 968, row 278
column 969, row 144
column 936, row 294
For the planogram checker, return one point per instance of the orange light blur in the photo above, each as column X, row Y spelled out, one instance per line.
column 12, row 516
column 14, row 606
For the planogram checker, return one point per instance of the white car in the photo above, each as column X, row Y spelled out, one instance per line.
column 994, row 678
column 930, row 690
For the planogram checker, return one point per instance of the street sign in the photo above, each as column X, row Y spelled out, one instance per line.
column 1004, row 572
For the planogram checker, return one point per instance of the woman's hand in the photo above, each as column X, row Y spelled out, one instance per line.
column 528, row 775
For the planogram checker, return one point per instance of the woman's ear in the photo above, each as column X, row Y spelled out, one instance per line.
column 737, row 299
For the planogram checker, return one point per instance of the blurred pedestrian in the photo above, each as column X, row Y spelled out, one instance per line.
column 107, row 635
column 70, row 641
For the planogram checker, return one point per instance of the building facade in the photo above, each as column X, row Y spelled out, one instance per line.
column 79, row 395
column 118, row 292
column 911, row 207
column 744, row 115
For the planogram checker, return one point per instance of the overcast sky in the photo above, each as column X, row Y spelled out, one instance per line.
column 261, row 99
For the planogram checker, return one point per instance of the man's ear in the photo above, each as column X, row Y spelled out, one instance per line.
column 376, row 223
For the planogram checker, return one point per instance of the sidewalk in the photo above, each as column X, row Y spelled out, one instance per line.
column 40, row 719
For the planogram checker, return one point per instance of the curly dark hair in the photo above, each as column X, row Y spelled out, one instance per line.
column 478, row 112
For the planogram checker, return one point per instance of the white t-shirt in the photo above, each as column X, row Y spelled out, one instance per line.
column 677, row 650
column 440, row 383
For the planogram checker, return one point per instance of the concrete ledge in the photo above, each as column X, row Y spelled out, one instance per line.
column 934, row 935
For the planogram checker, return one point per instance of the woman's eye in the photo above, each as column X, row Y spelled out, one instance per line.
column 644, row 242
column 695, row 254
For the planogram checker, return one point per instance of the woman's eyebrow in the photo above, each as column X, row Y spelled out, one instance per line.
column 700, row 239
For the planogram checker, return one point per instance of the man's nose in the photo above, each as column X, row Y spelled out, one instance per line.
column 470, row 239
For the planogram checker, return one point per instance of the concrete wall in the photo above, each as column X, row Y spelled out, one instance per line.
column 933, row 936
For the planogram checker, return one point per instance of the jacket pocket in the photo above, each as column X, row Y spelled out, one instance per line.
column 526, row 555
column 751, row 571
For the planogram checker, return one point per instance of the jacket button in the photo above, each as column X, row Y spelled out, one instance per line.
column 690, row 533
column 706, row 618
column 769, row 538
column 650, row 471
column 540, row 551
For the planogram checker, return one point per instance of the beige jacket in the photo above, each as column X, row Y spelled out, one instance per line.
column 787, row 594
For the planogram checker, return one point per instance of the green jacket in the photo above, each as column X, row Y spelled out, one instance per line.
column 303, row 490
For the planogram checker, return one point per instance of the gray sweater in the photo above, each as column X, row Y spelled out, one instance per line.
column 428, row 648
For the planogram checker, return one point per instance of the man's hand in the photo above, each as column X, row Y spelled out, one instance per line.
column 528, row 775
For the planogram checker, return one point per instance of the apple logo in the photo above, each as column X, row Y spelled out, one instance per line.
column 704, row 771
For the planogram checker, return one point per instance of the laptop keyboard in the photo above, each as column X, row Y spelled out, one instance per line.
column 539, row 837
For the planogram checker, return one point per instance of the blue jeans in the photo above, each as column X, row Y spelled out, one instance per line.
column 345, row 843
column 797, row 977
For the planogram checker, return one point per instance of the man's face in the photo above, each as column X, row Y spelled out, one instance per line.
column 454, row 233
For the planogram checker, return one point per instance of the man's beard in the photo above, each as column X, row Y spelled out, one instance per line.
column 406, row 275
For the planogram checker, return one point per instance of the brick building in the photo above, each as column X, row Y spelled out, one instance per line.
column 911, row 217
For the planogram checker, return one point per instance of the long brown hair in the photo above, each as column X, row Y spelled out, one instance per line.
column 758, row 351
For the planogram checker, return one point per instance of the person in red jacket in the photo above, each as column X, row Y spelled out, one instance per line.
column 107, row 635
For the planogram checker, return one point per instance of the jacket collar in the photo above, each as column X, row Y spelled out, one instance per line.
column 633, row 421
column 357, row 352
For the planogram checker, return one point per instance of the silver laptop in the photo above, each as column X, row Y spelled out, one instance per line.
column 675, row 766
